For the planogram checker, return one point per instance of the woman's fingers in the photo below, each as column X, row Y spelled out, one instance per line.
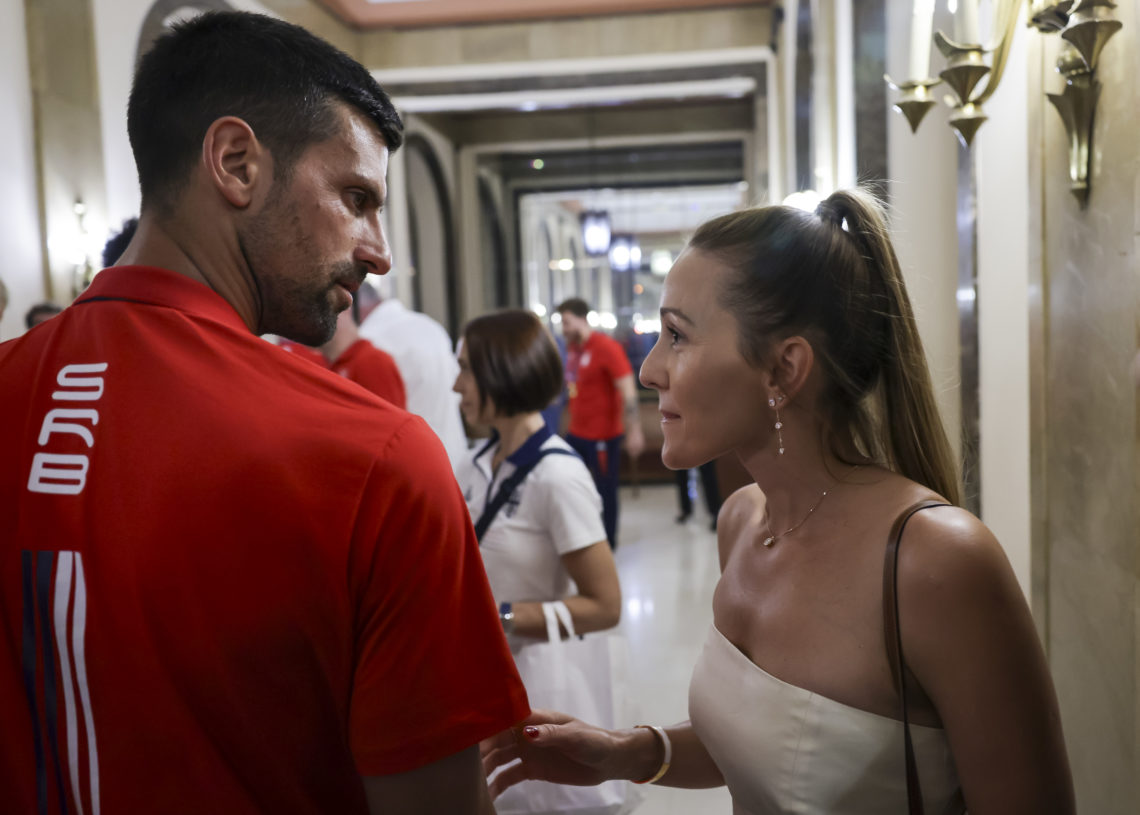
column 498, row 757
column 512, row 775
column 506, row 738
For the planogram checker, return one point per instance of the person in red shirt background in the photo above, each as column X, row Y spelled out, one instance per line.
column 602, row 404
column 349, row 355
column 230, row 581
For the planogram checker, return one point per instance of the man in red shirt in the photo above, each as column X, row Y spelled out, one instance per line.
column 603, row 405
column 230, row 581
column 349, row 355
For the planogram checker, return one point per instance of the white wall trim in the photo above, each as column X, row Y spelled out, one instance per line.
column 731, row 87
column 564, row 67
column 609, row 141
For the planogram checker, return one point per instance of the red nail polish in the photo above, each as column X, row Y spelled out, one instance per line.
column 531, row 732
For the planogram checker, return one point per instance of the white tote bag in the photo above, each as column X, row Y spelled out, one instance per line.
column 587, row 677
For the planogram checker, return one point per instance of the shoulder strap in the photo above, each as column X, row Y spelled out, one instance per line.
column 892, row 632
column 510, row 484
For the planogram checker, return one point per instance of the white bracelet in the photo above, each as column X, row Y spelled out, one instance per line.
column 664, row 768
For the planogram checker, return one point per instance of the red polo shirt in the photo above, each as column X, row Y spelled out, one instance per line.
column 373, row 369
column 229, row 581
column 592, row 372
column 303, row 351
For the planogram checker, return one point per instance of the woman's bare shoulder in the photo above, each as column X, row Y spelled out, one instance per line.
column 949, row 545
column 948, row 559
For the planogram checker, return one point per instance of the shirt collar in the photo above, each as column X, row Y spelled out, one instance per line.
column 518, row 458
column 530, row 447
column 162, row 287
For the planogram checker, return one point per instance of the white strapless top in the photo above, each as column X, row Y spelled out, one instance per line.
column 783, row 749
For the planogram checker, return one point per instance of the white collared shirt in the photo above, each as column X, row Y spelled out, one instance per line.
column 555, row 510
column 426, row 361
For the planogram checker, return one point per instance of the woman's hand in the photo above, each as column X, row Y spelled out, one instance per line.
column 563, row 750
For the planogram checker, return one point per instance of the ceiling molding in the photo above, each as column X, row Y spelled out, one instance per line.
column 731, row 88
column 416, row 13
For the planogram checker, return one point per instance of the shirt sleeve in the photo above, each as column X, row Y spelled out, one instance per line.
column 433, row 672
column 617, row 363
column 384, row 377
column 573, row 508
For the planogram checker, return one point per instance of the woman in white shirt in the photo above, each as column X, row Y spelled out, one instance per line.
column 539, row 533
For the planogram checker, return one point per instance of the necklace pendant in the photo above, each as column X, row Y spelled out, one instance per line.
column 769, row 540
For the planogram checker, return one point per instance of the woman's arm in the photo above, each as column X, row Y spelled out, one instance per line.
column 970, row 641
column 558, row 748
column 596, row 607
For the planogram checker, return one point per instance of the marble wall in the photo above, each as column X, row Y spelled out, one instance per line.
column 1087, row 490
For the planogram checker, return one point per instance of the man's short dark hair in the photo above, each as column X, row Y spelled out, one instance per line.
column 40, row 312
column 514, row 361
column 576, row 306
column 277, row 77
column 117, row 244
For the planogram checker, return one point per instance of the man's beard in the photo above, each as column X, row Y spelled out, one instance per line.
column 300, row 312
column 298, row 308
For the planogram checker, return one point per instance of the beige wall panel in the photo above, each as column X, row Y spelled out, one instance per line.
column 567, row 39
column 1091, row 473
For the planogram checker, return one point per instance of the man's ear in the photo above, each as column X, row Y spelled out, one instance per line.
column 236, row 163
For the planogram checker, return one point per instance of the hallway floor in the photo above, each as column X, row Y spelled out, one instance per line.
column 668, row 573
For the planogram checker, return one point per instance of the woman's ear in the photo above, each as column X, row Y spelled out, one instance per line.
column 792, row 362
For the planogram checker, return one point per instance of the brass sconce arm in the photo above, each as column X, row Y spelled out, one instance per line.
column 1086, row 25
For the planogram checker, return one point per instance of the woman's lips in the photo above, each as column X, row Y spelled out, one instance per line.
column 667, row 416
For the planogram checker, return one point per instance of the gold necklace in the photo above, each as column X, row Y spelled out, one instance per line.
column 772, row 537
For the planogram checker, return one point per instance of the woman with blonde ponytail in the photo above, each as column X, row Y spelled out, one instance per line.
column 871, row 650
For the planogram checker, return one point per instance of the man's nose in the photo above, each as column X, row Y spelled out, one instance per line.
column 374, row 254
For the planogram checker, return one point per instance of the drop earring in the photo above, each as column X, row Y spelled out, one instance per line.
column 779, row 425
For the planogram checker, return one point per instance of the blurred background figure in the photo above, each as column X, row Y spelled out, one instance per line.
column 709, row 486
column 117, row 244
column 425, row 358
column 603, row 405
column 40, row 312
column 356, row 359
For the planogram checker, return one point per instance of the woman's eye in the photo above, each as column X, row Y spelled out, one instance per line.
column 675, row 337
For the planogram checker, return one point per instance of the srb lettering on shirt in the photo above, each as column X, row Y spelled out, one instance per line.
column 65, row 473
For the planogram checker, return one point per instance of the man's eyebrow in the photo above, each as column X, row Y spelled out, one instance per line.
column 677, row 313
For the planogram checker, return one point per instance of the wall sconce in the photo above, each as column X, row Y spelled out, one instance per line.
column 1085, row 24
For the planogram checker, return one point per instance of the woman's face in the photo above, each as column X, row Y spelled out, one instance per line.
column 710, row 398
column 469, row 403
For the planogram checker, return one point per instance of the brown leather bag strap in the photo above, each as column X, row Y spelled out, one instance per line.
column 892, row 633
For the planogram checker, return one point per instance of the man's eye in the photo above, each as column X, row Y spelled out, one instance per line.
column 357, row 199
